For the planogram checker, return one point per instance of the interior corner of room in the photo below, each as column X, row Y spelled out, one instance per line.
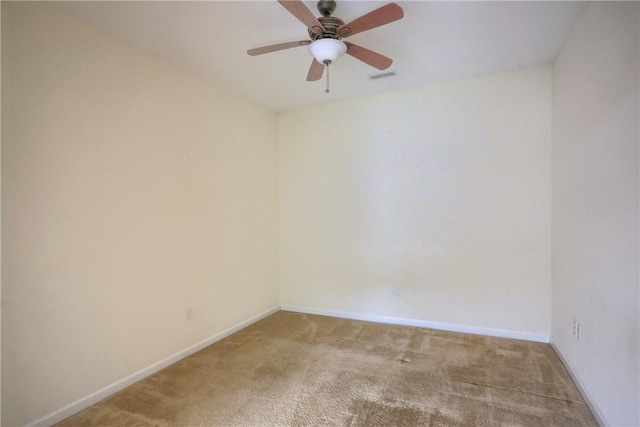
column 148, row 212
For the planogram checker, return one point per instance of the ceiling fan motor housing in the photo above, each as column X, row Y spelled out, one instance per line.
column 330, row 23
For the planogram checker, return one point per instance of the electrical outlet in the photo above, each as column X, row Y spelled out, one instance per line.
column 397, row 290
column 577, row 330
column 188, row 314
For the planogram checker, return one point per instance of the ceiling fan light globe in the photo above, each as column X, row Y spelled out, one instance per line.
column 324, row 50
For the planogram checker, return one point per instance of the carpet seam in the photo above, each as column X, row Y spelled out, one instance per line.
column 521, row 391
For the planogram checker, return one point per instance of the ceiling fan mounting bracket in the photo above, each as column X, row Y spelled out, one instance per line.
column 326, row 7
column 344, row 33
column 315, row 33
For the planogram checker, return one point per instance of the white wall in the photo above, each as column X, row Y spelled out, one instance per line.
column 131, row 190
column 595, row 207
column 442, row 190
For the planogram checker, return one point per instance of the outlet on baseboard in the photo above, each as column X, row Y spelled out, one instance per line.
column 397, row 290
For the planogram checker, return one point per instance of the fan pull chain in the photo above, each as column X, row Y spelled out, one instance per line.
column 327, row 89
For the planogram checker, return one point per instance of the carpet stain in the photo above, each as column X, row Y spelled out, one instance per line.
column 293, row 369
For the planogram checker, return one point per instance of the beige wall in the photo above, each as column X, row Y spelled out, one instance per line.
column 132, row 191
column 595, row 207
column 443, row 191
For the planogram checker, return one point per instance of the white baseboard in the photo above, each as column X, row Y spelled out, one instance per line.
column 83, row 403
column 502, row 333
column 581, row 388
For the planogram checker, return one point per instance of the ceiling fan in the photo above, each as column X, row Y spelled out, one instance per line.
column 326, row 34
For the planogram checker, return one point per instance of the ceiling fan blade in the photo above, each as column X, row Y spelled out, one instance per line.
column 367, row 56
column 276, row 47
column 298, row 9
column 315, row 71
column 381, row 16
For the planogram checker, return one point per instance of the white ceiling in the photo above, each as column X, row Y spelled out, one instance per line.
column 434, row 42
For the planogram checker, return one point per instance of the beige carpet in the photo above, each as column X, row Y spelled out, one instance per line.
column 295, row 369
